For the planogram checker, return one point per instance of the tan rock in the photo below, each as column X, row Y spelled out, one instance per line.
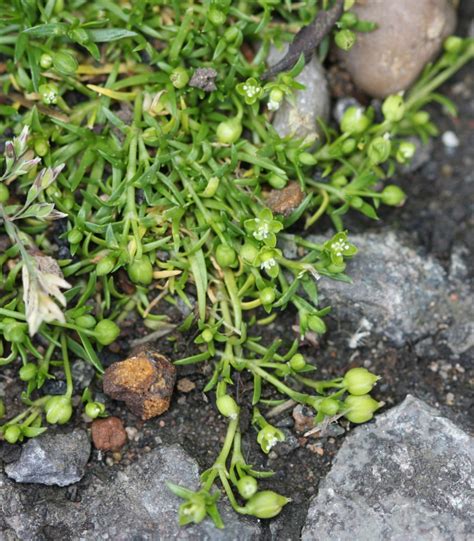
column 108, row 434
column 409, row 34
column 144, row 382
column 285, row 201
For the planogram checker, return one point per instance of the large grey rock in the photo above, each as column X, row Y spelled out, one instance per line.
column 298, row 116
column 409, row 34
column 133, row 504
column 403, row 294
column 52, row 459
column 407, row 476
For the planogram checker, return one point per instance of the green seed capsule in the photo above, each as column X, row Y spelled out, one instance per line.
column 360, row 408
column 58, row 410
column 329, row 406
column 267, row 295
column 216, row 16
column 225, row 255
column 453, row 44
column 421, row 118
column 247, row 486
column 141, row 271
column 354, row 121
column 12, row 434
column 348, row 146
column 106, row 265
column 249, row 252
column 64, row 63
column 393, row 196
column 94, row 409
column 227, row 406
column 297, row 362
column 233, row 35
column 379, row 150
column 207, row 335
column 28, row 372
column 265, row 504
column 106, row 331
column 393, row 108
column 14, row 331
column 345, row 39
column 348, row 19
column 179, row 77
column 75, row 236
column 229, row 131
column 41, row 146
column 316, row 324
column 4, row 194
column 359, row 381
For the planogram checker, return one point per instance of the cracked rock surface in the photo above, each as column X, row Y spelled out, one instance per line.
column 409, row 475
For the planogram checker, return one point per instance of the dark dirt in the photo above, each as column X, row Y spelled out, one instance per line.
column 438, row 217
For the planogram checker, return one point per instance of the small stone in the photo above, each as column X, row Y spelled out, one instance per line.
column 450, row 399
column 406, row 476
column 408, row 35
column 450, row 139
column 144, row 382
column 52, row 459
column 300, row 118
column 315, row 448
column 304, row 418
column 132, row 433
column 185, row 385
column 286, row 200
column 203, row 78
column 108, row 434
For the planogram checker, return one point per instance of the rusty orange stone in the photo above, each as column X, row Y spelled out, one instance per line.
column 144, row 382
column 108, row 434
column 285, row 201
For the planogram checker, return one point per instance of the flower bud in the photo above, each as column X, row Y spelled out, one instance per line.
column 216, row 16
column 453, row 44
column 297, row 362
column 58, row 410
column 329, row 406
column 106, row 331
column 359, row 381
column 226, row 255
column 316, row 324
column 151, row 136
column 86, row 321
column 345, row 39
column 140, row 271
column 393, row 108
column 4, row 194
column 14, row 331
column 420, row 118
column 276, row 95
column 348, row 19
column 348, row 146
column 207, row 335
column 267, row 295
column 265, row 504
column 379, row 149
column 339, row 181
column 227, row 406
column 229, row 131
column 247, row 486
column 106, row 265
column 276, row 181
column 233, row 35
column 46, row 61
column 360, row 408
column 94, row 409
column 41, row 146
column 12, row 434
column 354, row 121
column 179, row 77
column 393, row 196
column 28, row 372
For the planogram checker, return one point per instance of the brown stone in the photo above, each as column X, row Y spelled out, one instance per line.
column 185, row 385
column 409, row 35
column 144, row 382
column 285, row 201
column 108, row 434
column 304, row 418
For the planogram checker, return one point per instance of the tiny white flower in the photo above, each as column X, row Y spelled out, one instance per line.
column 262, row 231
column 268, row 264
column 273, row 105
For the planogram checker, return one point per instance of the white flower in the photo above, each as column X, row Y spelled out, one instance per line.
column 273, row 105
column 339, row 247
column 268, row 264
column 262, row 231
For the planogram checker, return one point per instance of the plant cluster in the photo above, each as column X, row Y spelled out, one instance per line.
column 140, row 141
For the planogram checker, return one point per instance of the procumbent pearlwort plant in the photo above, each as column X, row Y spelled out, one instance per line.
column 145, row 130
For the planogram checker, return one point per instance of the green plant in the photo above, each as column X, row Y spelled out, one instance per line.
column 165, row 176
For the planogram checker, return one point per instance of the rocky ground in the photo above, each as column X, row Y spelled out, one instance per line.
column 408, row 475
